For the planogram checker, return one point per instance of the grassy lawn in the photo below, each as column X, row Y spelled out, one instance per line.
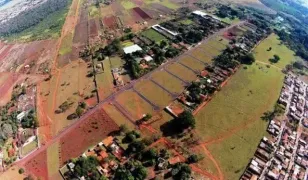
column 93, row 11
column 105, row 80
column 127, row 4
column 286, row 55
column 217, row 45
column 154, row 36
column 222, row 40
column 29, row 147
column 66, row 45
column 182, row 72
column 192, row 63
column 230, row 21
column 53, row 159
column 134, row 104
column 186, row 21
column 154, row 93
column 199, row 54
column 116, row 62
column 48, row 28
column 168, row 81
column 209, row 50
column 166, row 3
column 117, row 116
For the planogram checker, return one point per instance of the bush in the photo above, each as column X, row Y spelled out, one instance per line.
column 21, row 171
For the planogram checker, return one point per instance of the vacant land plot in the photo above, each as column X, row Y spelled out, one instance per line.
column 182, row 72
column 166, row 3
column 127, row 4
column 66, row 45
column 38, row 165
column 53, row 163
column 221, row 39
column 201, row 55
column 12, row 174
column 154, row 35
column 154, row 93
column 95, row 128
column 192, row 63
column 134, row 104
column 168, row 81
column 209, row 50
column 277, row 48
column 165, row 117
column 117, row 116
column 217, row 44
column 93, row 11
column 29, row 147
column 104, row 80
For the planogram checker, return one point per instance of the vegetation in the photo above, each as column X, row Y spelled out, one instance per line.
column 87, row 167
column 43, row 22
column 181, row 171
column 275, row 59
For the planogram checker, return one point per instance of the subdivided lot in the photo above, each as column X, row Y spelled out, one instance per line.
column 38, row 165
column 222, row 40
column 138, row 11
column 110, row 22
column 95, row 128
column 53, row 155
column 104, row 80
column 209, row 50
column 12, row 174
column 201, row 55
column 134, row 104
column 277, row 48
column 117, row 116
column 29, row 147
column 153, row 93
column 165, row 117
column 154, row 35
column 182, row 72
column 216, row 44
column 81, row 34
column 171, row 83
column 66, row 45
column 192, row 63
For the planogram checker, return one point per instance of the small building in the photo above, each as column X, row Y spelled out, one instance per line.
column 132, row 49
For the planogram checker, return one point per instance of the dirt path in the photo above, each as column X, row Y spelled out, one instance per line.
column 272, row 65
column 208, row 154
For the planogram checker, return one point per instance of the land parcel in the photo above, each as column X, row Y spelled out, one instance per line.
column 182, row 72
column 173, row 84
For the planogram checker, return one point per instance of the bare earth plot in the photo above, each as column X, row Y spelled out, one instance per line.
column 192, row 63
column 154, row 93
column 117, row 116
column 132, row 102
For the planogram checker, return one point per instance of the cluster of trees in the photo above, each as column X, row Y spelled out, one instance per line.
column 181, row 171
column 28, row 18
column 30, row 121
column 178, row 125
column 86, row 167
column 224, row 11
column 132, row 170
column 275, row 59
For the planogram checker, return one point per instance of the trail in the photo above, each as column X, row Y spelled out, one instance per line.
column 208, row 154
column 272, row 65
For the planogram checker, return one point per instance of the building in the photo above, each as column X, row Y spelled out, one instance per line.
column 132, row 49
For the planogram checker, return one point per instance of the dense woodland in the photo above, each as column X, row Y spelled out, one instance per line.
column 27, row 19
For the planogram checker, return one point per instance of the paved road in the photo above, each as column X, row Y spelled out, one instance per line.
column 110, row 98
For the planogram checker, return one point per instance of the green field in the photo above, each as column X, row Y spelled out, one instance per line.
column 29, row 147
column 67, row 44
column 286, row 55
column 186, row 22
column 128, row 4
column 166, row 3
column 93, row 11
column 48, row 28
column 154, row 36
column 232, row 120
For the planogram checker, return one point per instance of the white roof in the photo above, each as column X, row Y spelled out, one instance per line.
column 148, row 58
column 200, row 13
column 131, row 49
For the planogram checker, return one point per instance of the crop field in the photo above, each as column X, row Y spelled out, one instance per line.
column 117, row 116
column 182, row 72
column 127, row 4
column 201, row 55
column 93, row 23
column 105, row 80
column 286, row 55
column 53, row 163
column 168, row 81
column 96, row 127
column 67, row 43
column 138, row 11
column 154, row 93
column 154, row 35
column 192, row 63
column 134, row 104
column 167, row 3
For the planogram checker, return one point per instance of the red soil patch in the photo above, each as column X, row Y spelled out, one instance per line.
column 5, row 52
column 110, row 22
column 81, row 34
column 93, row 28
column 6, row 88
column 38, row 165
column 95, row 128
column 161, row 8
column 141, row 13
column 117, row 8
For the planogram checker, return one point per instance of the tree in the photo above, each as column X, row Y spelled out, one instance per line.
column 163, row 44
column 248, row 59
column 79, row 111
column 275, row 59
column 193, row 158
column 21, row 171
column 123, row 128
column 147, row 117
column 140, row 173
column 298, row 65
column 123, row 174
column 135, row 147
column 185, row 120
column 181, row 171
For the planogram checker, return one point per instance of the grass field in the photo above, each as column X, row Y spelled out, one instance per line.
column 221, row 40
column 209, row 50
column 154, row 93
column 66, row 45
column 127, row 4
column 231, row 122
column 117, row 116
column 29, row 147
column 93, row 11
column 201, row 55
column 182, row 72
column 286, row 55
column 134, row 104
column 168, row 81
column 186, row 22
column 105, row 80
column 166, row 3
column 153, row 35
column 53, row 163
column 216, row 44
column 192, row 63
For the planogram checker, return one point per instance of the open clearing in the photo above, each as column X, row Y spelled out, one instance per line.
column 286, row 55
column 209, row 50
column 154, row 93
column 53, row 163
column 154, row 36
column 105, row 80
column 117, row 116
column 182, row 72
column 134, row 104
column 168, row 81
column 11, row 174
column 192, row 63
column 201, row 55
